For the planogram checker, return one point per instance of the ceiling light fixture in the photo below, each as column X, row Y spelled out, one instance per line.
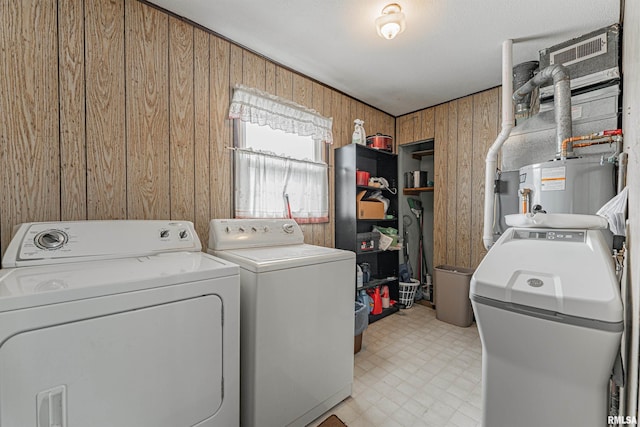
column 391, row 22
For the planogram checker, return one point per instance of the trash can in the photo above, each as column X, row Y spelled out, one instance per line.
column 361, row 323
column 451, row 289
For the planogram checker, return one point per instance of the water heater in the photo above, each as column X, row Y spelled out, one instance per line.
column 576, row 185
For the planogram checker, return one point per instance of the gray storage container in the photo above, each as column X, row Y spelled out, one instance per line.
column 367, row 242
column 451, row 287
column 362, row 318
column 361, row 323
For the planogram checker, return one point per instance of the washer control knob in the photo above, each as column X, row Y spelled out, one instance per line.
column 227, row 229
column 241, row 229
column 183, row 234
column 266, row 229
column 164, row 234
column 288, row 228
column 254, row 230
column 51, row 239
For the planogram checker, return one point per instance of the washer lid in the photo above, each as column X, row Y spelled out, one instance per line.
column 563, row 271
column 280, row 257
column 41, row 285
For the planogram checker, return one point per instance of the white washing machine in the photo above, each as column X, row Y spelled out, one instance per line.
column 297, row 320
column 548, row 309
column 117, row 323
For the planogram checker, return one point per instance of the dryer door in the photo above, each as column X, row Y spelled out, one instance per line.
column 155, row 366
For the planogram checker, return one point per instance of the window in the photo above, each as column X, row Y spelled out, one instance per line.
column 264, row 138
column 279, row 174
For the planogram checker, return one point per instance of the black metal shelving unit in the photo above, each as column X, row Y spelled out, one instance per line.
column 383, row 264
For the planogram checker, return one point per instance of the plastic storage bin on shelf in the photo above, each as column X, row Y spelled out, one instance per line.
column 451, row 286
column 367, row 242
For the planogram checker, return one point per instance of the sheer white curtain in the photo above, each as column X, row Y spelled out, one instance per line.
column 270, row 186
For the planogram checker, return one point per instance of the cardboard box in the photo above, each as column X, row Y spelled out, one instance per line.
column 369, row 209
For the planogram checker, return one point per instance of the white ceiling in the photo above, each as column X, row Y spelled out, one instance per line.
column 451, row 48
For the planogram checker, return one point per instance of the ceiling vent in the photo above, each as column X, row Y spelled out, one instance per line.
column 580, row 51
column 592, row 60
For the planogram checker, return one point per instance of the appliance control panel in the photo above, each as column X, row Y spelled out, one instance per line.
column 253, row 233
column 552, row 235
column 59, row 242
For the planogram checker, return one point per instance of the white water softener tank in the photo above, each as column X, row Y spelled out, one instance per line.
column 549, row 314
column 577, row 185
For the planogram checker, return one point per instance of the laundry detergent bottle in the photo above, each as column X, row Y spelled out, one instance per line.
column 385, row 296
column 363, row 298
column 377, row 302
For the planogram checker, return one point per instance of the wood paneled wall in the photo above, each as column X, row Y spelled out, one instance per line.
column 463, row 131
column 113, row 109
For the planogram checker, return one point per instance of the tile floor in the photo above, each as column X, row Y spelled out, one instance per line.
column 414, row 370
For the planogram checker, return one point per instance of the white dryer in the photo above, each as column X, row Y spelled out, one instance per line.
column 117, row 323
column 297, row 320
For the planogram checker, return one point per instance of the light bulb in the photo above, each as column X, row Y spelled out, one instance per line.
column 390, row 30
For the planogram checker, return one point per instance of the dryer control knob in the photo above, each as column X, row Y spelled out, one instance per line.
column 51, row 239
column 288, row 228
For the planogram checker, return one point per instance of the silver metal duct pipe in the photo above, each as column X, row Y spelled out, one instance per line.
column 522, row 73
column 561, row 101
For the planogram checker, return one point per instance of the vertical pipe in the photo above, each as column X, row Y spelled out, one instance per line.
column 622, row 171
column 562, row 107
column 492, row 155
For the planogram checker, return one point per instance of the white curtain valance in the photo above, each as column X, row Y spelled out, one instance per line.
column 255, row 106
